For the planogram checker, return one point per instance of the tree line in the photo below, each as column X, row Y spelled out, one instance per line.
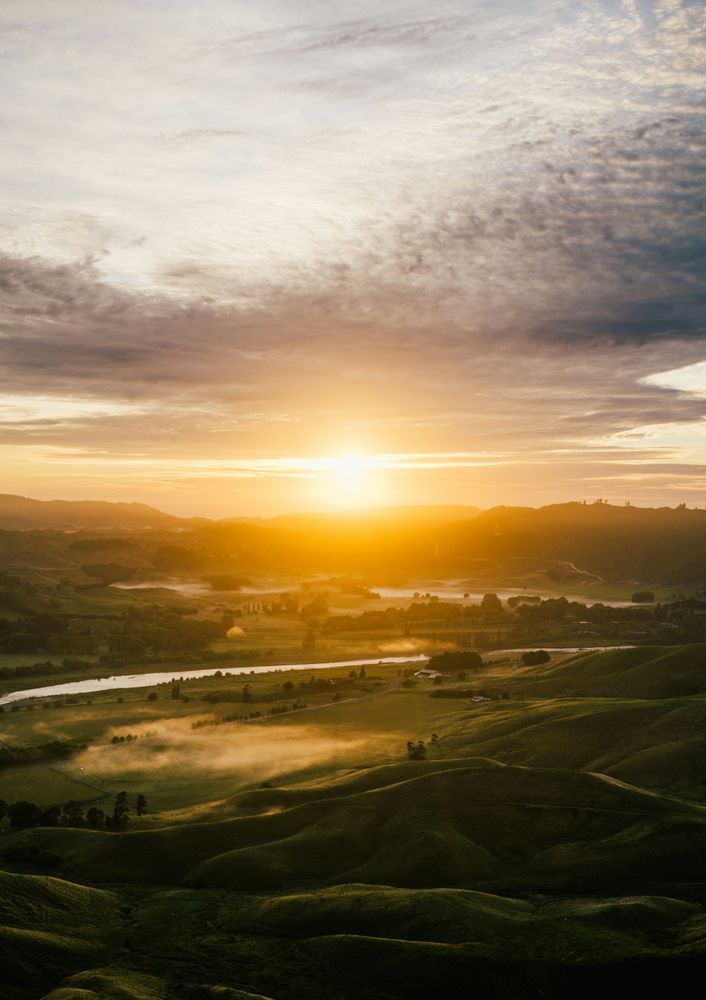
column 46, row 752
column 153, row 629
column 23, row 814
column 516, row 609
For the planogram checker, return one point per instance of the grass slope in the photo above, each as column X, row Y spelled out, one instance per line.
column 64, row 923
column 641, row 672
column 461, row 826
column 656, row 744
column 520, row 860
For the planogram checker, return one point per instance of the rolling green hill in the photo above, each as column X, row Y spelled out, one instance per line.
column 658, row 744
column 551, row 844
column 640, row 672
column 461, row 826
column 389, row 920
column 376, row 942
column 68, row 925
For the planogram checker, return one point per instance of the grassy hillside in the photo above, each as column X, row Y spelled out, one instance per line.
column 551, row 844
column 463, row 825
column 656, row 744
column 373, row 940
column 641, row 672
column 68, row 925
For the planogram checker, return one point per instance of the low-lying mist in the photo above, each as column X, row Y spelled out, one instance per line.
column 252, row 752
column 413, row 645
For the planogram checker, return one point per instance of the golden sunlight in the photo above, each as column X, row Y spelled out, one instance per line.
column 347, row 479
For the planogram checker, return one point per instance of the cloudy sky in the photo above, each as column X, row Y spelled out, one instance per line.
column 461, row 243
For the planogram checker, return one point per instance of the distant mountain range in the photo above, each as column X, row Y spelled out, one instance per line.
column 566, row 545
column 25, row 514
column 664, row 545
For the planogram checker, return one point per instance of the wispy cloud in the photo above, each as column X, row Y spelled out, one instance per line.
column 468, row 231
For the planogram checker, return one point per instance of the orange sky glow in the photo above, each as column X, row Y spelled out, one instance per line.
column 289, row 257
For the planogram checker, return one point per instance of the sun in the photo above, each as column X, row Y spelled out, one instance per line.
column 350, row 466
column 347, row 478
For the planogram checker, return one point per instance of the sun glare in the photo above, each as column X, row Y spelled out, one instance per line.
column 347, row 478
column 350, row 467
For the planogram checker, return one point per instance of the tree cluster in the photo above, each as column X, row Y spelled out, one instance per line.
column 22, row 815
column 44, row 753
column 46, row 668
column 453, row 662
column 416, row 751
column 161, row 630
column 533, row 658
column 519, row 610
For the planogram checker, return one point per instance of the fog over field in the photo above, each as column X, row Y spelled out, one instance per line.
column 249, row 754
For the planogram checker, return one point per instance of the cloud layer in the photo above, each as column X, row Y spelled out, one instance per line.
column 271, row 232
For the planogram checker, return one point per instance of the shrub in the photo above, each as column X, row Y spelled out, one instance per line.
column 643, row 597
column 533, row 658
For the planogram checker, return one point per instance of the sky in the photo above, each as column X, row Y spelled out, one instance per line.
column 304, row 255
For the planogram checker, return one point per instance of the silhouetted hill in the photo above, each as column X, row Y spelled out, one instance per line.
column 665, row 545
column 388, row 541
column 375, row 519
column 25, row 514
column 564, row 545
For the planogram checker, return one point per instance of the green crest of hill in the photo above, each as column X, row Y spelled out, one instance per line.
column 460, row 825
column 639, row 672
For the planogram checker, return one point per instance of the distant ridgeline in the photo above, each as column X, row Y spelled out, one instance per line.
column 567, row 544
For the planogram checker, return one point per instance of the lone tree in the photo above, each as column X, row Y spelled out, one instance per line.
column 416, row 751
column 141, row 805
column 491, row 604
column 643, row 597
column 51, row 816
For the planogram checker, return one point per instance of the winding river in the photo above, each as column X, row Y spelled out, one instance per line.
column 125, row 681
